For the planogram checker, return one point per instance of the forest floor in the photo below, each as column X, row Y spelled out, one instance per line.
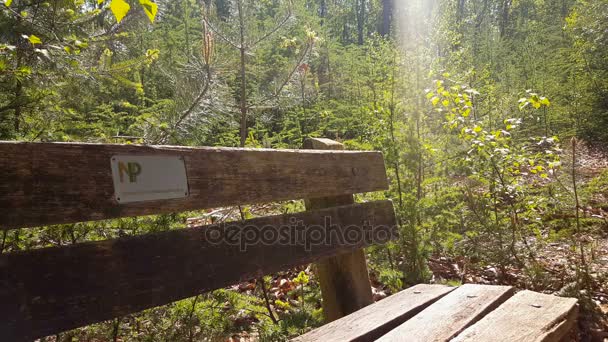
column 554, row 273
column 555, row 264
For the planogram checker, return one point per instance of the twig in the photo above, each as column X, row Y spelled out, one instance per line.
column 4, row 233
column 273, row 31
column 190, row 333
column 266, row 301
column 576, row 208
column 219, row 34
column 293, row 71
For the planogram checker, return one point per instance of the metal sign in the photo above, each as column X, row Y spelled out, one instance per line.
column 146, row 178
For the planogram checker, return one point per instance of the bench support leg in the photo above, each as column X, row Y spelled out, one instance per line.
column 344, row 279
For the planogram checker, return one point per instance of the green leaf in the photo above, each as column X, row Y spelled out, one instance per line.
column 301, row 279
column 82, row 45
column 435, row 100
column 545, row 101
column 22, row 72
column 282, row 305
column 34, row 40
column 152, row 55
column 8, row 2
column 119, row 8
column 150, row 8
column 523, row 105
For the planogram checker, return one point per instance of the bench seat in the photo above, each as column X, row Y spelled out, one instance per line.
column 466, row 313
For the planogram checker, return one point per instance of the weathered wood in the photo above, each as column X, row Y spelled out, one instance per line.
column 377, row 319
column 49, row 290
column 344, row 279
column 451, row 314
column 322, row 144
column 52, row 183
column 527, row 316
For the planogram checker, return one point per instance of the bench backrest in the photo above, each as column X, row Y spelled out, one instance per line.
column 49, row 290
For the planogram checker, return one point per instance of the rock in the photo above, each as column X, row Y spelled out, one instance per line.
column 490, row 272
column 378, row 294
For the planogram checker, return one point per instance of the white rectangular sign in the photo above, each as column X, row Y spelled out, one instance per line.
column 146, row 178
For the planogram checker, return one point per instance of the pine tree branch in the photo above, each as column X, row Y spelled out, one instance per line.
column 273, row 30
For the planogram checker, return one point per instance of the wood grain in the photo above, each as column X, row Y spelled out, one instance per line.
column 344, row 279
column 526, row 317
column 50, row 290
column 52, row 183
column 377, row 319
column 451, row 314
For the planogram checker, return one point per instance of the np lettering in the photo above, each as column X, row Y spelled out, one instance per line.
column 131, row 169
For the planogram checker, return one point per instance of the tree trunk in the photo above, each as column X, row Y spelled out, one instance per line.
column 504, row 17
column 243, row 97
column 17, row 117
column 387, row 17
column 460, row 10
column 322, row 11
column 360, row 9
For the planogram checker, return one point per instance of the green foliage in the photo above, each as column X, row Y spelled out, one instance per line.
column 119, row 8
column 302, row 279
column 503, row 168
column 392, row 279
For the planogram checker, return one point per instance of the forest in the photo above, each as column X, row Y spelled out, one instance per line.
column 491, row 115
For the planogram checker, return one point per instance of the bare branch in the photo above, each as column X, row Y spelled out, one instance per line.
column 274, row 29
column 289, row 77
column 195, row 103
column 219, row 33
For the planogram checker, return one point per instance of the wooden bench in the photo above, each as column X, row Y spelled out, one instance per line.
column 50, row 290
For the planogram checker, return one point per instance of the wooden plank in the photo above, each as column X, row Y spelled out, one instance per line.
column 527, row 316
column 451, row 314
column 344, row 279
column 377, row 319
column 52, row 183
column 49, row 290
column 322, row 144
